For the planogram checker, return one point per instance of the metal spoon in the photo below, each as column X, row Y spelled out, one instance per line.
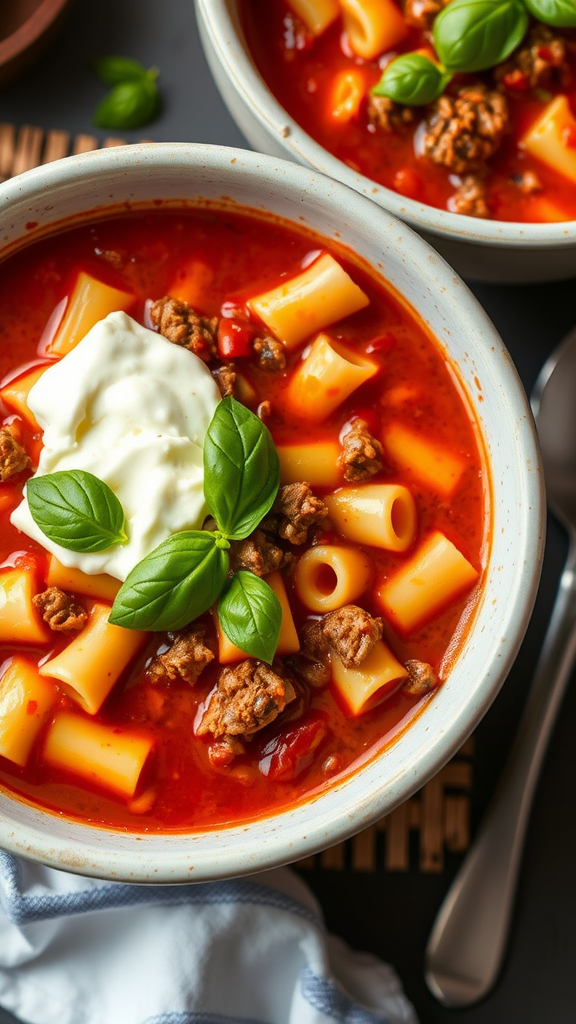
column 467, row 943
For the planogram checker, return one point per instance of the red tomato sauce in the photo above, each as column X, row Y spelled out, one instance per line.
column 301, row 72
column 295, row 756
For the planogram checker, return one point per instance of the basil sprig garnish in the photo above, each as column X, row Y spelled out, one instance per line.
column 77, row 510
column 186, row 573
column 134, row 99
column 412, row 79
column 469, row 35
column 558, row 13
column 241, row 470
column 473, row 35
column 250, row 614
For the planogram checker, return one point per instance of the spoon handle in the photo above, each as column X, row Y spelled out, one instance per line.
column 468, row 939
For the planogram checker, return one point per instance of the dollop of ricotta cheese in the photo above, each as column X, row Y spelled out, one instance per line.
column 133, row 409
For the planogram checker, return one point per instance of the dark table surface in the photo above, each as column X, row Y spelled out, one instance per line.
column 388, row 913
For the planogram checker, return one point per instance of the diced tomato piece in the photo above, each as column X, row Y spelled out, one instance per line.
column 381, row 344
column 234, row 338
column 544, row 52
column 516, row 80
column 569, row 136
column 291, row 752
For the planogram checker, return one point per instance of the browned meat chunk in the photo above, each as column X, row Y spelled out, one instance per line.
column 528, row 182
column 298, row 509
column 421, row 13
column 225, row 377
column 187, row 656
column 470, row 198
column 361, row 453
column 60, row 610
column 312, row 663
column 257, row 553
column 351, row 633
column 540, row 61
column 271, row 353
column 13, row 457
column 421, row 678
column 178, row 322
column 248, row 696
column 465, row 130
column 388, row 116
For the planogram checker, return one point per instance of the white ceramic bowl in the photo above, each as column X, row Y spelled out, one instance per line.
column 482, row 250
column 142, row 173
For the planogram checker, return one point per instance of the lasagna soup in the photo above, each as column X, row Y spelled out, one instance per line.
column 244, row 517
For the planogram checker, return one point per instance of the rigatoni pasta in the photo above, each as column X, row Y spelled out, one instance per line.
column 328, row 576
column 328, row 373
column 25, row 701
column 317, row 15
column 382, row 515
column 105, row 755
column 373, row 26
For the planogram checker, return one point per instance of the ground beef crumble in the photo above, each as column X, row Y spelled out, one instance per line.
column 225, row 377
column 471, row 197
column 248, row 697
column 13, row 456
column 271, row 353
column 257, row 553
column 60, row 610
column 388, row 116
column 361, row 455
column 179, row 323
column 190, row 651
column 463, row 131
column 421, row 678
column 312, row 662
column 295, row 510
column 539, row 62
column 421, row 13
column 351, row 633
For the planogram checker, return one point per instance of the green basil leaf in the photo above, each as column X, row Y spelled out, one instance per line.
column 113, row 70
column 241, row 469
column 76, row 510
column 129, row 104
column 412, row 79
column 472, row 35
column 250, row 614
column 559, row 13
column 174, row 584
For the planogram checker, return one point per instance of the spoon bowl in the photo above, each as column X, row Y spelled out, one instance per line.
column 468, row 940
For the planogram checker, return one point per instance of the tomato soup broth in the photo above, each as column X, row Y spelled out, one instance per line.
column 303, row 72
column 317, row 737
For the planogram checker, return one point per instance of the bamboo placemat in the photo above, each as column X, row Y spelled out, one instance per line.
column 438, row 815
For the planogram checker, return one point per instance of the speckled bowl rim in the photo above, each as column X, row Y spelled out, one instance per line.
column 39, row 197
column 223, row 28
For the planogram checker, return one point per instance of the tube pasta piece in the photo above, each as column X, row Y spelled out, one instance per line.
column 90, row 301
column 100, row 585
column 317, row 15
column 348, row 91
column 325, row 377
column 373, row 26
column 20, row 621
column 90, row 665
column 549, row 137
column 317, row 463
column 433, row 576
column 371, row 682
column 103, row 754
column 383, row 515
column 328, row 576
column 25, row 700
column 319, row 296
column 428, row 462
column 15, row 394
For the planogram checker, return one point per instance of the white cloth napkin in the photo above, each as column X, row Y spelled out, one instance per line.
column 77, row 950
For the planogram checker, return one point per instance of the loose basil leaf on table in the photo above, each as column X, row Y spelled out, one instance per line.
column 251, row 615
column 241, row 469
column 174, row 584
column 129, row 104
column 113, row 70
column 412, row 79
column 558, row 13
column 473, row 35
column 75, row 509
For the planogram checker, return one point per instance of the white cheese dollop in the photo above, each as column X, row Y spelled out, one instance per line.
column 133, row 409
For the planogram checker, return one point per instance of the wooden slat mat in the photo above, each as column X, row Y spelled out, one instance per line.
column 438, row 816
